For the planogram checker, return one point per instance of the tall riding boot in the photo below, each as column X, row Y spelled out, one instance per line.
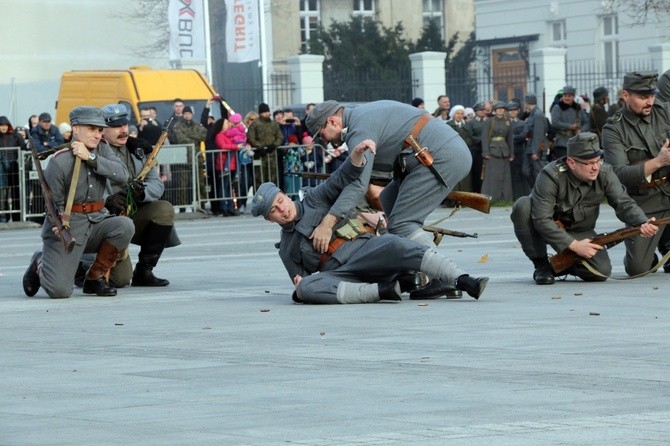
column 153, row 243
column 95, row 282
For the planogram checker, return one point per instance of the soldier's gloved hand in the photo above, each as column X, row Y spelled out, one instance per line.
column 116, row 204
column 137, row 187
column 261, row 151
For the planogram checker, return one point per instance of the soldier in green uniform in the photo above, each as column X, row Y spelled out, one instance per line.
column 563, row 208
column 636, row 144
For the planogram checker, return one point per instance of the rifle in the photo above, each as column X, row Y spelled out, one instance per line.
column 151, row 159
column 473, row 200
column 566, row 258
column 438, row 233
column 63, row 232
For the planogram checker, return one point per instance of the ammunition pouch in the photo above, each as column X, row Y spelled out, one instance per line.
column 403, row 165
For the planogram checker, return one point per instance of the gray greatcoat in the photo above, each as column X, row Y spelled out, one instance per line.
column 406, row 203
column 629, row 141
column 559, row 195
column 89, row 230
column 497, row 144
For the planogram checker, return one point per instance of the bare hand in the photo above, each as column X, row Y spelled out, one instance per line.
column 321, row 237
column 297, row 279
column 535, row 157
column 648, row 229
column 664, row 154
column 80, row 151
column 358, row 153
column 585, row 248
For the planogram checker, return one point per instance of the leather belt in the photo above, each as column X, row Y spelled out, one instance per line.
column 332, row 247
column 418, row 126
column 654, row 183
column 88, row 207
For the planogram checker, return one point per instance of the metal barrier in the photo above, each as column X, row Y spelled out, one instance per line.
column 191, row 179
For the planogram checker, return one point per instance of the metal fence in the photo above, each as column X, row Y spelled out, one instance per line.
column 191, row 180
column 587, row 75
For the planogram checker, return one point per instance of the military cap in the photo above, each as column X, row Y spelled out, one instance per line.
column 584, row 145
column 498, row 104
column 641, row 82
column 599, row 93
column 116, row 115
column 87, row 115
column 479, row 106
column 569, row 89
column 262, row 201
column 319, row 114
column 511, row 105
column 531, row 99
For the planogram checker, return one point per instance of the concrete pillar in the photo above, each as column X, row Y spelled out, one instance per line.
column 307, row 75
column 549, row 66
column 660, row 57
column 428, row 78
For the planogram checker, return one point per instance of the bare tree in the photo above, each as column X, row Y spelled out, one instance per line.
column 642, row 11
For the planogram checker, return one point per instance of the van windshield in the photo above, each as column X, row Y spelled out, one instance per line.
column 164, row 109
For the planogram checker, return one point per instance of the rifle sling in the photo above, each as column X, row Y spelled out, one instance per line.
column 660, row 263
column 70, row 194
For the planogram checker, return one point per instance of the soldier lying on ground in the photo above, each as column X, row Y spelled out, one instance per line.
column 359, row 266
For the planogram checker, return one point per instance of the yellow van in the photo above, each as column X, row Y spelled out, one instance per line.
column 137, row 87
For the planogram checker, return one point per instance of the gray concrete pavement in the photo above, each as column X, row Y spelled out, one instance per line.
column 222, row 356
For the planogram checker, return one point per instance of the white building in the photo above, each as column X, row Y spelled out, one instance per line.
column 545, row 44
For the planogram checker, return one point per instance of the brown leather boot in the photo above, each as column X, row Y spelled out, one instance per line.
column 95, row 281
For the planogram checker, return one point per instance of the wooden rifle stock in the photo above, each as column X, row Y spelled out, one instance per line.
column 478, row 202
column 566, row 258
column 63, row 233
column 151, row 159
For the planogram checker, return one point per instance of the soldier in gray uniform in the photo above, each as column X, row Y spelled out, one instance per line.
column 520, row 186
column 93, row 227
column 153, row 217
column 415, row 191
column 476, row 127
column 537, row 145
column 567, row 120
column 358, row 266
column 636, row 144
column 563, row 208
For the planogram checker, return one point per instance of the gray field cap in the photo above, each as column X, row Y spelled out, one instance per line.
column 569, row 89
column 116, row 115
column 262, row 202
column 87, row 115
column 641, row 82
column 585, row 145
column 317, row 117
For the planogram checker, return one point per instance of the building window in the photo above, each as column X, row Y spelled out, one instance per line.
column 432, row 11
column 610, row 41
column 364, row 8
column 309, row 22
column 558, row 33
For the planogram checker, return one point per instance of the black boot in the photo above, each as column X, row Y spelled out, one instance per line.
column 543, row 274
column 389, row 291
column 474, row 286
column 80, row 275
column 411, row 280
column 95, row 282
column 31, row 278
column 435, row 289
column 154, row 241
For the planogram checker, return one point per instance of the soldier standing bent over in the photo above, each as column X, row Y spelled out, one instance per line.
column 91, row 224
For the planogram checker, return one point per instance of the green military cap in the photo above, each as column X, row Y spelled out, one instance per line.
column 512, row 105
column 641, row 82
column 585, row 145
column 498, row 104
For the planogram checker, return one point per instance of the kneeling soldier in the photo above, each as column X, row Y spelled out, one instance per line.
column 92, row 226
